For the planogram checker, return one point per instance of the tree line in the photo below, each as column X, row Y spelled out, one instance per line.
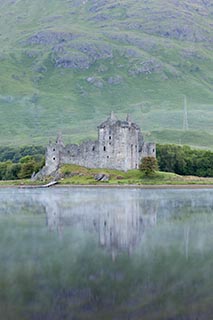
column 20, row 162
column 185, row 161
column 15, row 154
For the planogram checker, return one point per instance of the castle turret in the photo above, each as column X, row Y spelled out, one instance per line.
column 59, row 140
column 113, row 117
column 53, row 154
column 128, row 119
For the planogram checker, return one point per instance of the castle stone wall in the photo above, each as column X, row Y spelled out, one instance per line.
column 85, row 154
column 149, row 150
column 120, row 145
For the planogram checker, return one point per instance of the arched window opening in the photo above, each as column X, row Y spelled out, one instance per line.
column 104, row 148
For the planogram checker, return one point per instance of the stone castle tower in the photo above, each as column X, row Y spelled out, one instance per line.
column 120, row 145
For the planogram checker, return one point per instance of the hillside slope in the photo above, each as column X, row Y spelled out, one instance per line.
column 64, row 65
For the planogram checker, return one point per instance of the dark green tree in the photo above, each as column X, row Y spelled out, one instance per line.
column 148, row 166
column 27, row 169
column 28, row 166
column 12, row 171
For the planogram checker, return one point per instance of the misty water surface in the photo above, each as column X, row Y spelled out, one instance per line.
column 92, row 253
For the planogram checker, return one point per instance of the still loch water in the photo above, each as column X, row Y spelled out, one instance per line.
column 108, row 254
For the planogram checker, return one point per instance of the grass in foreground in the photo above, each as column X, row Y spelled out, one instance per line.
column 77, row 175
column 74, row 174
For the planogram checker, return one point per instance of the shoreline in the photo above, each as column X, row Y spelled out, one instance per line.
column 119, row 186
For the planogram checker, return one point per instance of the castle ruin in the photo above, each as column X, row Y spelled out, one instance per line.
column 120, row 145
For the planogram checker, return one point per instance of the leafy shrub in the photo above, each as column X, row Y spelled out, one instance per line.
column 149, row 165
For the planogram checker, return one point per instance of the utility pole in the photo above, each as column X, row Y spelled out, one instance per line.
column 185, row 116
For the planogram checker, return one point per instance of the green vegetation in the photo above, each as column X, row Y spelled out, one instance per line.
column 21, row 170
column 15, row 154
column 185, row 161
column 77, row 175
column 73, row 174
column 20, row 162
column 64, row 65
column 149, row 166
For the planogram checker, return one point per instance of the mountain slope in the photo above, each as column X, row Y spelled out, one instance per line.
column 64, row 65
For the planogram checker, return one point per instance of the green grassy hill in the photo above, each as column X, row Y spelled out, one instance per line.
column 64, row 65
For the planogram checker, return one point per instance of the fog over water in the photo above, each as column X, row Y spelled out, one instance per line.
column 106, row 253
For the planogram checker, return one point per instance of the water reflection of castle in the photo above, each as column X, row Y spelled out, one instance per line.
column 118, row 216
column 120, row 222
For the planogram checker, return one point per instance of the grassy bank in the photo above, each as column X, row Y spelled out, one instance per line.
column 77, row 175
column 73, row 174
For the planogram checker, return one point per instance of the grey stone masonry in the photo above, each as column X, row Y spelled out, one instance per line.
column 120, row 145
